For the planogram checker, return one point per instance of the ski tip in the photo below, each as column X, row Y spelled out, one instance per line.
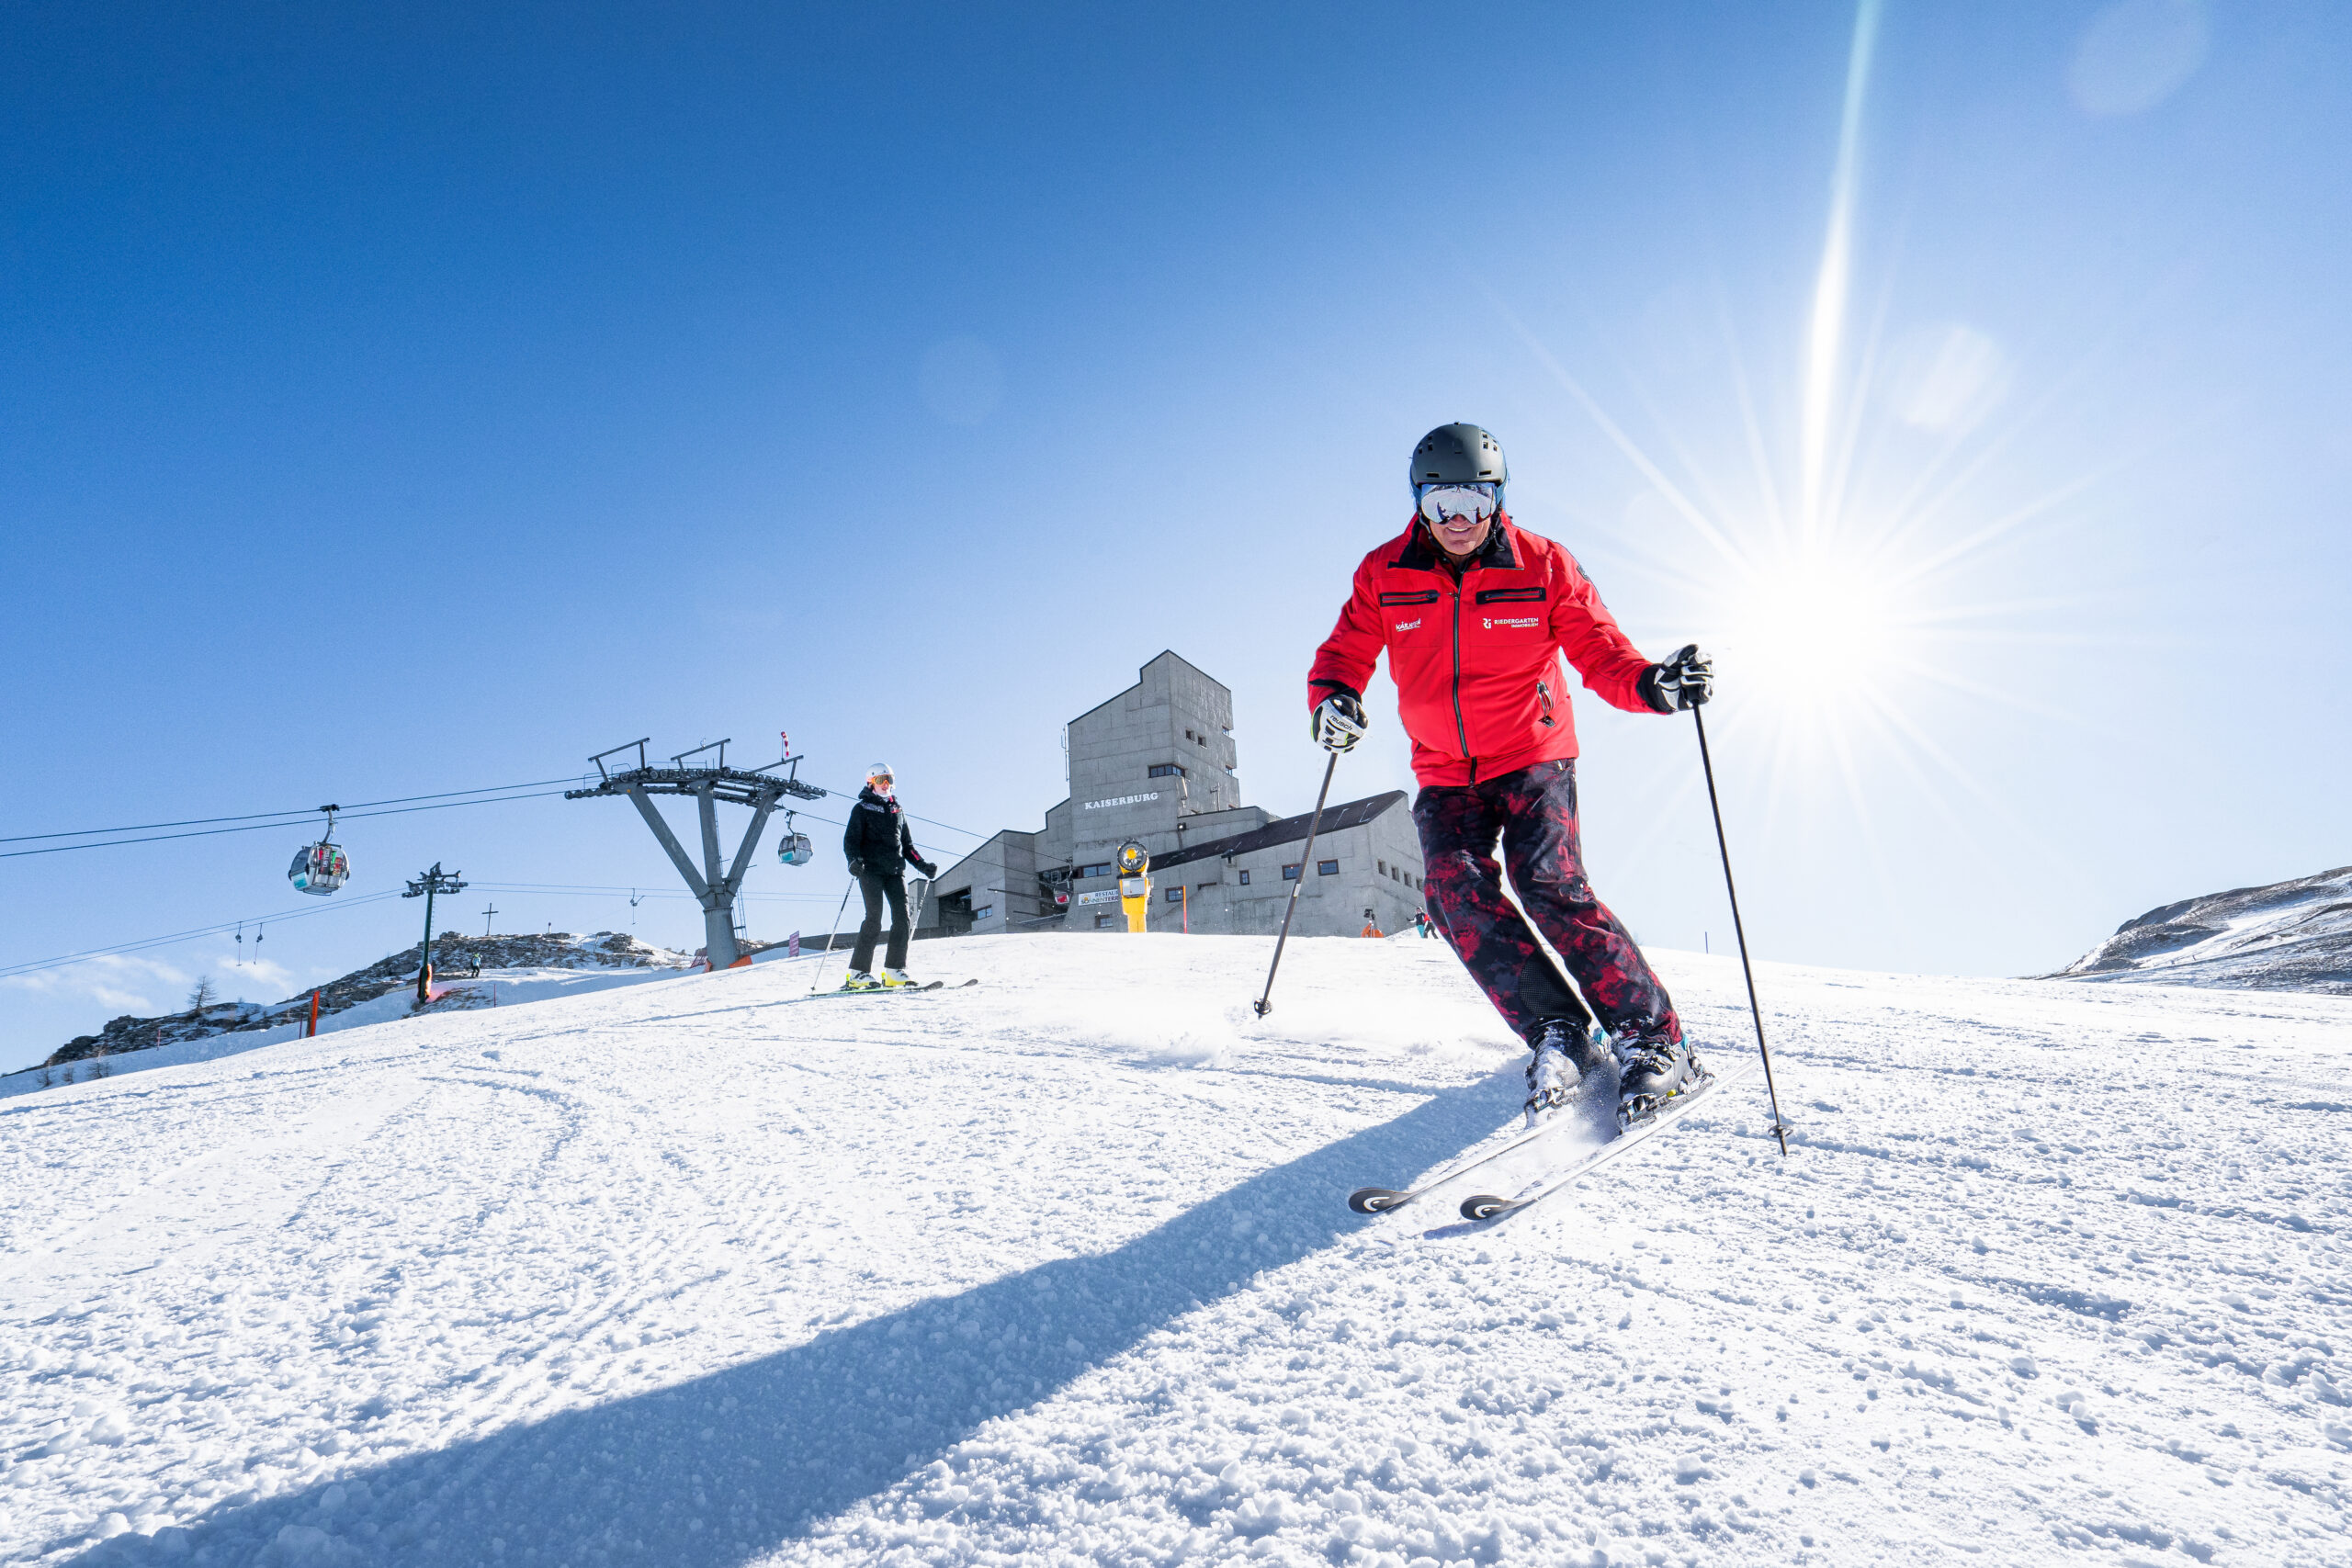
column 1375, row 1199
column 1485, row 1206
column 967, row 983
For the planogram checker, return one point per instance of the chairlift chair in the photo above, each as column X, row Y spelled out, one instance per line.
column 322, row 867
column 794, row 849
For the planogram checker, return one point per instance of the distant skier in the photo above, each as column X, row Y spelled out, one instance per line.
column 879, row 847
column 1474, row 613
column 1421, row 924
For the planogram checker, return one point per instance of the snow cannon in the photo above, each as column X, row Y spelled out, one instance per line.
column 1134, row 883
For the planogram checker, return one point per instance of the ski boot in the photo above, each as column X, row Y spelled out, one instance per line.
column 892, row 979
column 859, row 980
column 1564, row 1053
column 1650, row 1073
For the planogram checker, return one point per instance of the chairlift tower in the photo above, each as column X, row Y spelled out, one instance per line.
column 759, row 788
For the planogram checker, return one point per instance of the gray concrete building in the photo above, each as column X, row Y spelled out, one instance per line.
column 1156, row 763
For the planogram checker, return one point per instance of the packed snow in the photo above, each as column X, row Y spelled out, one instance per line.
column 1057, row 1268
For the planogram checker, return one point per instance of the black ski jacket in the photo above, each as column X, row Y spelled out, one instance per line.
column 879, row 840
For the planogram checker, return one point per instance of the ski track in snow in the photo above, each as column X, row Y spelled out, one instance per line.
column 1058, row 1270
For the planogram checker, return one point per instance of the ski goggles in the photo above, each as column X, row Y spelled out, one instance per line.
column 1442, row 503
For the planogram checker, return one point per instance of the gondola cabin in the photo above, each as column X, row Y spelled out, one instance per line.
column 319, row 868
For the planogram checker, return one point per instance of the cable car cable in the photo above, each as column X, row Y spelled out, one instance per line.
column 852, row 795
column 31, row 966
column 275, row 826
column 257, row 816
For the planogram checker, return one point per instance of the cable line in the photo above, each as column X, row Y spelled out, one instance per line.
column 257, row 816
column 274, row 826
column 852, row 795
column 142, row 943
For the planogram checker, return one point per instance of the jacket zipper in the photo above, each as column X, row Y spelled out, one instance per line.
column 1543, row 695
column 1461, row 730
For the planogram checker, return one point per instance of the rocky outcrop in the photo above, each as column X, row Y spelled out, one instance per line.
column 454, row 953
column 2288, row 936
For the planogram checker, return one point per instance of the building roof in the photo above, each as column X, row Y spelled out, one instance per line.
column 1147, row 664
column 1289, row 831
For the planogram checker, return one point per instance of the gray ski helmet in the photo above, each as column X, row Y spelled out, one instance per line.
column 1458, row 455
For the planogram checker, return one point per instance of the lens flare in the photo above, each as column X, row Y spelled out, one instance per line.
column 1831, row 544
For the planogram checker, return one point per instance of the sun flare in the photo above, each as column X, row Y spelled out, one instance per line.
column 1807, row 626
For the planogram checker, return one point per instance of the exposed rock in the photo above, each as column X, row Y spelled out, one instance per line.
column 453, row 954
column 2289, row 936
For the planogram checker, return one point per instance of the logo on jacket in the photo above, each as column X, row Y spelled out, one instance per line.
column 1493, row 621
column 1407, row 626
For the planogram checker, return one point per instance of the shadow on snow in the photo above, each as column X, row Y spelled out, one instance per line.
column 725, row 1467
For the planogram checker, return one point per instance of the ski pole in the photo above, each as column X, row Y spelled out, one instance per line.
column 1779, row 1128
column 1263, row 1005
column 829, row 938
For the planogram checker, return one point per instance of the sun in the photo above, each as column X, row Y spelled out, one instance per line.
column 1813, row 628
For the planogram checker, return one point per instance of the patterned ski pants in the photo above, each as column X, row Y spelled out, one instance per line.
column 1534, row 812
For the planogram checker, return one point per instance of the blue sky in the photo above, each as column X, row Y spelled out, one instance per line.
column 408, row 403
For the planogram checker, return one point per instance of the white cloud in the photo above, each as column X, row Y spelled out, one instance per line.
column 133, row 983
column 124, row 982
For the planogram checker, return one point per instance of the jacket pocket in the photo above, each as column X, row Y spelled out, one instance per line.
column 1533, row 594
column 1427, row 597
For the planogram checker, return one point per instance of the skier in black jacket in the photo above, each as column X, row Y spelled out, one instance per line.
column 879, row 847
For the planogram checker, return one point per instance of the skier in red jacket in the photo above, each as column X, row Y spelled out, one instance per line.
column 1474, row 613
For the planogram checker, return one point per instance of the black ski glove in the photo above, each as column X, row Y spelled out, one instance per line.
column 1680, row 684
column 928, row 869
column 1338, row 722
column 857, row 868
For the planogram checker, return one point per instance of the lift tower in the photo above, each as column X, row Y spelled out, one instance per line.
column 759, row 788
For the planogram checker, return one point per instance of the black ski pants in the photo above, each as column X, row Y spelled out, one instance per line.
column 877, row 890
column 1534, row 812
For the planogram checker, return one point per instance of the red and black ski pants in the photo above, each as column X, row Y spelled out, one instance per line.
column 1533, row 813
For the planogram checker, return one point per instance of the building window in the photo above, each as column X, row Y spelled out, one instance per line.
column 1327, row 868
column 1104, row 922
column 1290, row 873
column 1384, row 866
column 1102, row 870
column 984, row 911
column 1175, row 894
column 1164, row 770
column 1245, row 879
column 1395, row 875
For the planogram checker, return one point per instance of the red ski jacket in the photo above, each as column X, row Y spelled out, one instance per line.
column 1476, row 662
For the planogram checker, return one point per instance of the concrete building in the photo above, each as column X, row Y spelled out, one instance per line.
column 1156, row 763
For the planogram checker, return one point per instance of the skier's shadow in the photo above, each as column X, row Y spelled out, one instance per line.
column 723, row 1468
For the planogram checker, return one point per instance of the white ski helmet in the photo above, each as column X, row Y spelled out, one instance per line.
column 879, row 771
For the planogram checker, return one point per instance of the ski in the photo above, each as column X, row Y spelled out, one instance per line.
column 879, row 991
column 1380, row 1200
column 1487, row 1206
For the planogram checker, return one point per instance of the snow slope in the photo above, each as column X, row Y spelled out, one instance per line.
column 2288, row 936
column 491, row 988
column 1057, row 1270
